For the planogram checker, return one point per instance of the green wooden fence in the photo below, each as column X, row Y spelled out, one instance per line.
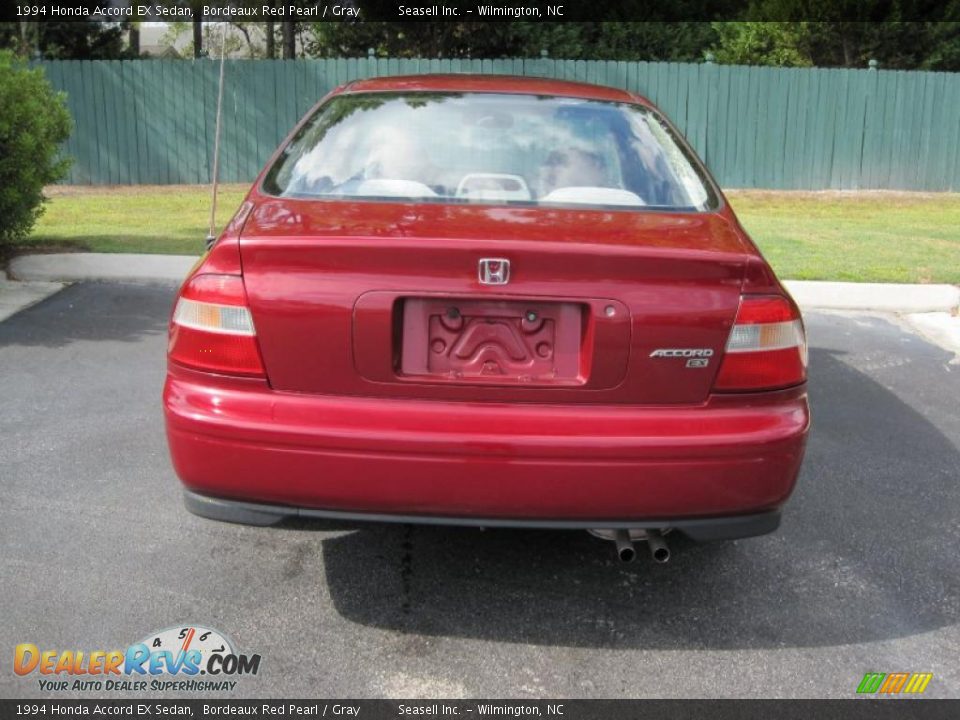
column 152, row 121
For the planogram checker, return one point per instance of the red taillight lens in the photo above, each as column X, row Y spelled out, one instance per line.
column 212, row 328
column 767, row 347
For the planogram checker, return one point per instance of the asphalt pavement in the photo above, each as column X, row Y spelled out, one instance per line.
column 98, row 551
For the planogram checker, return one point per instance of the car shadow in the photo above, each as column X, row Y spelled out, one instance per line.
column 863, row 555
column 92, row 311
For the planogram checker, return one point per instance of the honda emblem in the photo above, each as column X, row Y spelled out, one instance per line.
column 494, row 271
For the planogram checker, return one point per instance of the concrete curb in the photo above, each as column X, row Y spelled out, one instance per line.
column 77, row 267
column 811, row 295
column 881, row 297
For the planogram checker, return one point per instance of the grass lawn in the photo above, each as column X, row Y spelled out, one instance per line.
column 138, row 219
column 867, row 237
column 857, row 237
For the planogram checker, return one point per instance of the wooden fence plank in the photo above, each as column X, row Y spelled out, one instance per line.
column 951, row 101
column 151, row 121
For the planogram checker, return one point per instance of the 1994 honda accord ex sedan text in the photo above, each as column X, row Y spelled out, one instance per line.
column 491, row 301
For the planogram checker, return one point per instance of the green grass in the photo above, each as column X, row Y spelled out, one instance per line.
column 867, row 237
column 858, row 237
column 136, row 219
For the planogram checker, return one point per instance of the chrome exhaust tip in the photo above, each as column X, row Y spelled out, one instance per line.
column 625, row 548
column 659, row 550
column 625, row 539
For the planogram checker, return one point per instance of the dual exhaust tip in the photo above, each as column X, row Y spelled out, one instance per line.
column 627, row 551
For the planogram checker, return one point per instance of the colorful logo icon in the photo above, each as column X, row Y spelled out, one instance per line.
column 894, row 683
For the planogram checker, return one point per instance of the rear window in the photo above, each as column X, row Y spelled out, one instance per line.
column 491, row 149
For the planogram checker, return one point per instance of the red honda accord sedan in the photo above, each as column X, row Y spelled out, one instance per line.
column 489, row 301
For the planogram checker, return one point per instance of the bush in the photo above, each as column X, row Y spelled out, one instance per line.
column 33, row 123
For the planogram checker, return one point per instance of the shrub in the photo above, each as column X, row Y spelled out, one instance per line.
column 33, row 123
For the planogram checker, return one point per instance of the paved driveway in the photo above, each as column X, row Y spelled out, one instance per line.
column 98, row 550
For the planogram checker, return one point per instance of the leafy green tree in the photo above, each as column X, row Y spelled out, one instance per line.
column 448, row 39
column 64, row 40
column 944, row 53
column 237, row 40
column 844, row 33
column 33, row 123
column 13, row 37
column 133, row 37
column 895, row 44
column 762, row 43
column 652, row 41
column 574, row 41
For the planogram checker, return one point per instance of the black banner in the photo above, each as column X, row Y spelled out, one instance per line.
column 432, row 709
column 463, row 11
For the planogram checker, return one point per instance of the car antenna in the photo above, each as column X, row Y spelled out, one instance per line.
column 215, row 171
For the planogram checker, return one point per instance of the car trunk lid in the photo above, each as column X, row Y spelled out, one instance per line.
column 388, row 299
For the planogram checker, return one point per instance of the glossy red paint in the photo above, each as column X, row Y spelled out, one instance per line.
column 243, row 440
column 492, row 84
column 317, row 271
column 352, row 415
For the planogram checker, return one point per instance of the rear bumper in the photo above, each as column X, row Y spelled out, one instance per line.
column 250, row 454
column 700, row 529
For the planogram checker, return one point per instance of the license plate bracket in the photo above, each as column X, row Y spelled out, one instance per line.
column 492, row 341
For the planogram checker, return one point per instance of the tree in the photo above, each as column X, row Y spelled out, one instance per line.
column 13, row 37
column 896, row 45
column 237, row 39
column 762, row 43
column 197, row 37
column 289, row 39
column 588, row 40
column 270, row 49
column 664, row 41
column 844, row 33
column 62, row 40
column 944, row 52
column 133, row 39
column 33, row 123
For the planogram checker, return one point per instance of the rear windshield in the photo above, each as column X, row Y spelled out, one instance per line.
column 491, row 149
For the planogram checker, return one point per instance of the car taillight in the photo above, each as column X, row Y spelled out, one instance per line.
column 767, row 347
column 212, row 328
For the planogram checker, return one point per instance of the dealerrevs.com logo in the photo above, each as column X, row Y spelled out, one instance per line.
column 183, row 658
